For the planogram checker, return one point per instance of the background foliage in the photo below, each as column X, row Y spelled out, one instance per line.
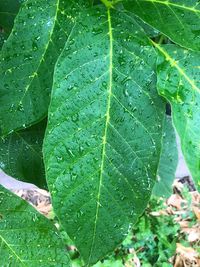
column 97, row 70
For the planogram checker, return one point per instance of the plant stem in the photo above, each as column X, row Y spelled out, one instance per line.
column 107, row 3
column 162, row 38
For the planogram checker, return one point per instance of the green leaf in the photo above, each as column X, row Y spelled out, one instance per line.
column 178, row 82
column 103, row 136
column 179, row 20
column 27, row 61
column 27, row 238
column 8, row 12
column 21, row 154
column 3, row 37
column 151, row 32
column 168, row 161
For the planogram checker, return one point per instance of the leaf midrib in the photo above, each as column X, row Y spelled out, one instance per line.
column 167, row 3
column 175, row 64
column 103, row 156
column 8, row 13
column 35, row 74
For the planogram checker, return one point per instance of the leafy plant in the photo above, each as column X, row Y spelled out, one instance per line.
column 94, row 69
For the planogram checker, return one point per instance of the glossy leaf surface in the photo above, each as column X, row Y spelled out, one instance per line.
column 21, row 154
column 27, row 238
column 27, row 61
column 178, row 82
column 179, row 20
column 103, row 138
column 168, row 161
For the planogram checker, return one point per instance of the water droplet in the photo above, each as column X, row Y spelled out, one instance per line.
column 59, row 159
column 34, row 46
column 28, row 57
column 20, row 107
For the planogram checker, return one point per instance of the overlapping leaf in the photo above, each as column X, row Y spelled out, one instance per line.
column 28, row 58
column 103, row 138
column 178, row 19
column 3, row 37
column 168, row 161
column 8, row 12
column 178, row 82
column 21, row 154
column 27, row 239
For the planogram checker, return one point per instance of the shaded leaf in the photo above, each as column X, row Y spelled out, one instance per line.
column 28, row 58
column 178, row 82
column 27, row 238
column 8, row 12
column 21, row 154
column 179, row 20
column 103, row 137
column 168, row 161
column 151, row 32
column 3, row 37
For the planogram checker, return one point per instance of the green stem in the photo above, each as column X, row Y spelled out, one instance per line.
column 162, row 38
column 107, row 3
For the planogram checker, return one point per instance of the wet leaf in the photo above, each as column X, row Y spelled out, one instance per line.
column 27, row 237
column 21, row 154
column 178, row 82
column 27, row 60
column 103, row 137
column 179, row 20
column 168, row 161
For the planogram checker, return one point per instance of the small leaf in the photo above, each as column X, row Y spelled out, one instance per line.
column 179, row 20
column 27, row 238
column 103, row 137
column 168, row 161
column 21, row 154
column 178, row 82
column 27, row 61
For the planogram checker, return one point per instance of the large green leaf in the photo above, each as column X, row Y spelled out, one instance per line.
column 27, row 238
column 103, row 137
column 27, row 60
column 168, row 161
column 178, row 19
column 21, row 154
column 178, row 81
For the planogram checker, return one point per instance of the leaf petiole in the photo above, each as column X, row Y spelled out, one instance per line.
column 107, row 3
